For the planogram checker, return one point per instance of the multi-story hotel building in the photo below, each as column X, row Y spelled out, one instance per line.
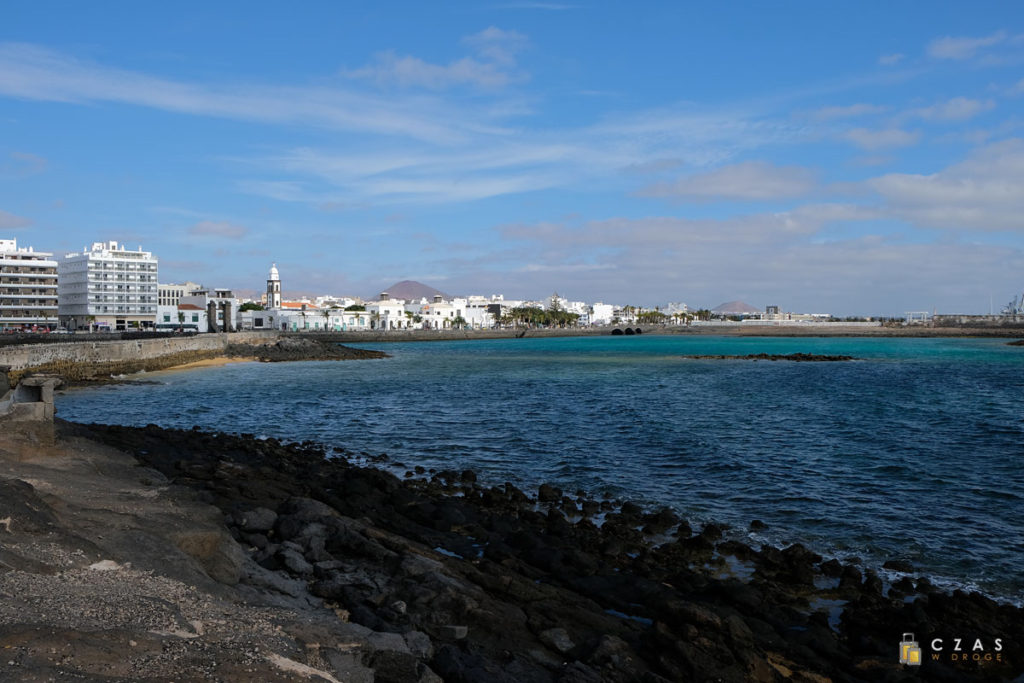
column 28, row 287
column 108, row 287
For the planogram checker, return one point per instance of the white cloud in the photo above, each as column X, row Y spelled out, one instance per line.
column 956, row 109
column 8, row 221
column 497, row 45
column 881, row 139
column 768, row 258
column 23, row 164
column 750, row 180
column 550, row 6
column 960, row 48
column 218, row 229
column 491, row 68
column 849, row 111
column 890, row 60
column 35, row 73
column 391, row 69
column 496, row 165
column 985, row 192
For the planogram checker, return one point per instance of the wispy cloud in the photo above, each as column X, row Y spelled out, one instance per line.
column 492, row 66
column 891, row 60
column 218, row 229
column 549, row 6
column 750, row 180
column 35, row 73
column 848, row 111
column 881, row 139
column 961, row 48
column 8, row 221
column 534, row 160
column 22, row 165
column 391, row 69
column 956, row 109
column 497, row 45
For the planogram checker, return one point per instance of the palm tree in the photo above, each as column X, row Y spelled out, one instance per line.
column 181, row 321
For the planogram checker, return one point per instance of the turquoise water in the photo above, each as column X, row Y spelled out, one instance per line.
column 913, row 452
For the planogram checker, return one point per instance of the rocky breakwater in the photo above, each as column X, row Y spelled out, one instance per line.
column 795, row 357
column 298, row 349
column 470, row 582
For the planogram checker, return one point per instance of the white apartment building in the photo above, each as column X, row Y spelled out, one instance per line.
column 170, row 294
column 28, row 287
column 478, row 312
column 108, row 287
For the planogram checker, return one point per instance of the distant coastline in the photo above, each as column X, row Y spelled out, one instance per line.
column 85, row 359
column 734, row 330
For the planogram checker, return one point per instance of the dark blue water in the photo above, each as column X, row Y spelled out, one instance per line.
column 914, row 452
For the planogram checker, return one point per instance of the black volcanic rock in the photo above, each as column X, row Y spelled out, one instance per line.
column 501, row 591
column 299, row 348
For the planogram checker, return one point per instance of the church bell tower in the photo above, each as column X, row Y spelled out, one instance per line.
column 273, row 288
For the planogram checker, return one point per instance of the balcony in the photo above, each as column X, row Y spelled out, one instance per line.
column 28, row 307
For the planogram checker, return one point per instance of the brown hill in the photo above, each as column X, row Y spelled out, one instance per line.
column 410, row 290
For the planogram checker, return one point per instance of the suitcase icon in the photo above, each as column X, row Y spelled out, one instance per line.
column 910, row 651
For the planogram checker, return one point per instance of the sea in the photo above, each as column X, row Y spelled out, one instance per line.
column 914, row 451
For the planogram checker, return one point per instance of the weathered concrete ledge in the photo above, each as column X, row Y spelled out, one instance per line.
column 99, row 361
column 78, row 361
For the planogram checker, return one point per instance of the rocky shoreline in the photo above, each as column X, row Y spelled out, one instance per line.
column 795, row 357
column 439, row 577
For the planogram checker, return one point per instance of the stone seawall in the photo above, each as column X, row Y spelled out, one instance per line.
column 84, row 361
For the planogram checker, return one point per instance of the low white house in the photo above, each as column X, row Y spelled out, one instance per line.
column 183, row 317
column 388, row 314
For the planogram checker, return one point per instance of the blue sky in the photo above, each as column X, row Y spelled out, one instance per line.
column 853, row 158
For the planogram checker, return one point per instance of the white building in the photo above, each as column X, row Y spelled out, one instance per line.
column 170, row 294
column 388, row 314
column 602, row 314
column 215, row 302
column 28, row 287
column 437, row 314
column 109, row 287
column 183, row 317
column 479, row 312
